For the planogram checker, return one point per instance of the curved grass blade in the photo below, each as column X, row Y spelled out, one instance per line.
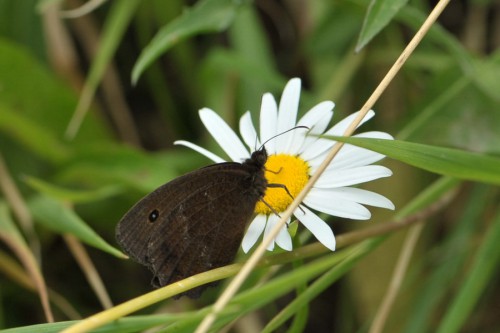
column 206, row 16
column 444, row 161
column 56, row 216
column 30, row 134
column 379, row 14
column 323, row 282
column 76, row 196
column 122, row 325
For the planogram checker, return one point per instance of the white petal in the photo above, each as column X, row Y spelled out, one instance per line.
column 317, row 115
column 284, row 240
column 361, row 196
column 346, row 202
column 298, row 138
column 375, row 135
column 317, row 119
column 351, row 156
column 224, row 135
column 254, row 231
column 330, row 202
column 323, row 145
column 339, row 128
column 317, row 226
column 248, row 132
column 271, row 222
column 268, row 122
column 348, row 157
column 351, row 176
column 200, row 150
column 287, row 114
column 317, row 149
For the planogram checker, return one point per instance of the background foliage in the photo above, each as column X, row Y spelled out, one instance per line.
column 90, row 106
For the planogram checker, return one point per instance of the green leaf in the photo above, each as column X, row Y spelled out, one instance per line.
column 205, row 17
column 445, row 161
column 30, row 134
column 58, row 217
column 223, row 63
column 39, row 97
column 380, row 13
column 75, row 196
column 109, row 164
column 249, row 38
column 21, row 24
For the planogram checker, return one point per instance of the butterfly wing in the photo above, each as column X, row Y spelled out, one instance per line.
column 201, row 218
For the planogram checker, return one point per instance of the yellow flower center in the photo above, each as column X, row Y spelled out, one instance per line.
column 287, row 170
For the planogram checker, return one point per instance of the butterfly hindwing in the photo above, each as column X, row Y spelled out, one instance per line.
column 199, row 225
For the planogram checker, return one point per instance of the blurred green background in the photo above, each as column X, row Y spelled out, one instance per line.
column 90, row 107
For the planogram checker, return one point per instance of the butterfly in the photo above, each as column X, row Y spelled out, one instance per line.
column 195, row 222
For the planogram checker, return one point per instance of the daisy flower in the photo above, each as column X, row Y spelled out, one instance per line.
column 297, row 156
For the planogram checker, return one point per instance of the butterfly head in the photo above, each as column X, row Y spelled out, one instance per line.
column 259, row 157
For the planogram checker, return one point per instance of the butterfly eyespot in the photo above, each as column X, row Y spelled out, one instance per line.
column 153, row 216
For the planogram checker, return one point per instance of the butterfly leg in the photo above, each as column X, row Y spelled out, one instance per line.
column 283, row 186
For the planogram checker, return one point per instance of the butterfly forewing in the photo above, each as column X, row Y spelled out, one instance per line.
column 193, row 223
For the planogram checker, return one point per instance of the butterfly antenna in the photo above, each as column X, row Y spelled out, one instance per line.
column 256, row 141
column 291, row 129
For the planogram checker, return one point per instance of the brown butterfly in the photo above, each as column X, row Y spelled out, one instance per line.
column 195, row 222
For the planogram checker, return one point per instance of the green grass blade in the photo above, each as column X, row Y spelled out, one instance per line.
column 116, row 24
column 445, row 161
column 380, row 13
column 482, row 271
column 453, row 253
column 38, row 139
column 75, row 196
column 205, row 17
column 355, row 253
column 122, row 325
column 60, row 218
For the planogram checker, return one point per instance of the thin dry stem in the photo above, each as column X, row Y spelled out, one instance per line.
column 11, row 269
column 61, row 49
column 31, row 266
column 25, row 254
column 86, row 31
column 18, row 206
column 397, row 279
column 235, row 284
column 84, row 9
column 89, row 270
